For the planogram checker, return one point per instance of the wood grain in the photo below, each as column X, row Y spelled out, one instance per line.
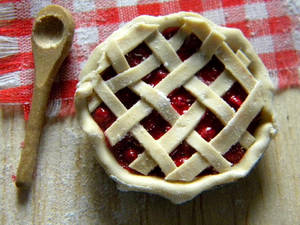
column 71, row 188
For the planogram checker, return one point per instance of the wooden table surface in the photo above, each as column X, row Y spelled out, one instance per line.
column 71, row 188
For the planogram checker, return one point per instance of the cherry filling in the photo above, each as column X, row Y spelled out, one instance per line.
column 128, row 149
column 155, row 125
column 156, row 76
column 108, row 73
column 235, row 153
column 189, row 47
column 182, row 153
column 127, row 97
column 169, row 32
column 211, row 71
column 181, row 100
column 103, row 116
column 254, row 124
column 137, row 55
column 235, row 96
column 209, row 126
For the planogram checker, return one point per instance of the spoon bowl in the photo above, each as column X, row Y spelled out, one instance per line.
column 48, row 31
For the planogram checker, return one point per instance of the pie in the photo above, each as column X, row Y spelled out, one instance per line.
column 175, row 105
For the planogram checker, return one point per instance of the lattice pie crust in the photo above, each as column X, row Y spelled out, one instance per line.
column 241, row 64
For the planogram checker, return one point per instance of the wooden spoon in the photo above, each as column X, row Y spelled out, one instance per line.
column 51, row 40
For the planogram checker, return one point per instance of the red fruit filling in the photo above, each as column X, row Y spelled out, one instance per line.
column 211, row 71
column 127, row 150
column 157, row 172
column 103, row 116
column 155, row 125
column 108, row 73
column 209, row 126
column 208, row 171
column 235, row 96
column 181, row 100
column 189, row 47
column 156, row 76
column 254, row 124
column 127, row 97
column 182, row 153
column 169, row 32
column 130, row 154
column 137, row 55
column 235, row 153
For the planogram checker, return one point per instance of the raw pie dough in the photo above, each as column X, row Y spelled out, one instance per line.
column 180, row 183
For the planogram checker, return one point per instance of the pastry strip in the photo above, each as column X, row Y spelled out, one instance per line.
column 186, row 172
column 157, row 100
column 236, row 67
column 117, row 59
column 162, row 49
column 134, row 74
column 134, row 36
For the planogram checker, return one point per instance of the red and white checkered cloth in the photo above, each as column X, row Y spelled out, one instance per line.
column 269, row 25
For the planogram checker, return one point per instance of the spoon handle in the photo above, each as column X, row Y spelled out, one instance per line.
column 32, row 136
